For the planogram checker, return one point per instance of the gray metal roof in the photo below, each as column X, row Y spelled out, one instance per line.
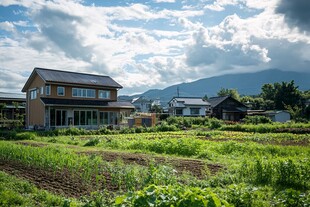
column 214, row 101
column 12, row 96
column 66, row 77
column 191, row 101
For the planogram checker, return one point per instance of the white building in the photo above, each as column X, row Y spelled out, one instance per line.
column 278, row 116
column 188, row 106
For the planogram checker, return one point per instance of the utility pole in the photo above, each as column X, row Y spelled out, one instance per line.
column 178, row 92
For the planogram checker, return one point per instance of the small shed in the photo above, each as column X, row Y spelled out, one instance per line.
column 278, row 116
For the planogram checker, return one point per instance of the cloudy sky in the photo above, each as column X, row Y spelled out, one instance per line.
column 152, row 44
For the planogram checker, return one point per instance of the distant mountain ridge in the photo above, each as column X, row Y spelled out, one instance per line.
column 245, row 83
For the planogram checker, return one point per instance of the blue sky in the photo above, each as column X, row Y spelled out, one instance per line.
column 152, row 44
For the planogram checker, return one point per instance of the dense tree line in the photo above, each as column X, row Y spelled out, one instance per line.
column 277, row 96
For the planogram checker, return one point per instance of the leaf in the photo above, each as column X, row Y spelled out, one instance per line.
column 119, row 200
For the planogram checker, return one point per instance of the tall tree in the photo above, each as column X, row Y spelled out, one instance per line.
column 282, row 94
column 268, row 92
column 229, row 92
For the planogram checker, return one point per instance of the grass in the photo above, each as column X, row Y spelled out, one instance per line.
column 257, row 169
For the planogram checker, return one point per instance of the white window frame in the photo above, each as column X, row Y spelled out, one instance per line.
column 42, row 90
column 106, row 92
column 48, row 90
column 33, row 94
column 194, row 109
column 59, row 87
column 83, row 92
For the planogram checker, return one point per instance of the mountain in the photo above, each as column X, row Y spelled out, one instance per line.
column 245, row 83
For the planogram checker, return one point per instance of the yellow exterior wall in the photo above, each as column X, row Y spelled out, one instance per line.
column 68, row 92
column 35, row 108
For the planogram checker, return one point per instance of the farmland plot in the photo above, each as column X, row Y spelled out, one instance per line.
column 183, row 168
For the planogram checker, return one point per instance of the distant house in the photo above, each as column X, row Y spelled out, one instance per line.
column 57, row 99
column 278, row 116
column 227, row 108
column 12, row 109
column 142, row 104
column 188, row 106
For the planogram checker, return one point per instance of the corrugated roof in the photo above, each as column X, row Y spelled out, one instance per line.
column 191, row 101
column 5, row 95
column 88, row 103
column 58, row 76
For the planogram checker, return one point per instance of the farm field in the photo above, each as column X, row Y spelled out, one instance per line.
column 195, row 167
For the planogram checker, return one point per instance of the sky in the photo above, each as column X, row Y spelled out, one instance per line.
column 152, row 44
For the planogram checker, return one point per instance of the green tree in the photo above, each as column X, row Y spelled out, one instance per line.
column 254, row 103
column 229, row 92
column 287, row 94
column 268, row 92
column 282, row 95
column 2, row 106
column 205, row 98
column 156, row 109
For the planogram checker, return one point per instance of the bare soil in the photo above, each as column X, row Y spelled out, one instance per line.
column 195, row 167
column 65, row 183
column 62, row 183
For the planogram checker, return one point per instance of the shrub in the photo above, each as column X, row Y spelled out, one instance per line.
column 257, row 120
column 92, row 142
column 164, row 127
column 25, row 136
column 215, row 123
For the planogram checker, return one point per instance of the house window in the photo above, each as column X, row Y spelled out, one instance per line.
column 195, row 111
column 82, row 117
column 48, row 90
column 108, row 118
column 33, row 94
column 60, row 91
column 42, row 90
column 104, row 94
column 83, row 93
column 179, row 112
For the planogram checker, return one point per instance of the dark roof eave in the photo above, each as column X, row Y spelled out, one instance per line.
column 81, row 84
column 90, row 106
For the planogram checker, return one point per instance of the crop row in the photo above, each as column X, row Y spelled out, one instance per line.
column 91, row 169
column 251, row 170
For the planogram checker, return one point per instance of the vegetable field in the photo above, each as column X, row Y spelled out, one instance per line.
column 198, row 166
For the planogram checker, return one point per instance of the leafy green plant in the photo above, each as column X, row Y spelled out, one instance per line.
column 92, row 142
column 178, row 196
column 257, row 120
column 291, row 198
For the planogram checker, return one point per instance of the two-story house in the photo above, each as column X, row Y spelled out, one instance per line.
column 142, row 104
column 188, row 106
column 57, row 99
